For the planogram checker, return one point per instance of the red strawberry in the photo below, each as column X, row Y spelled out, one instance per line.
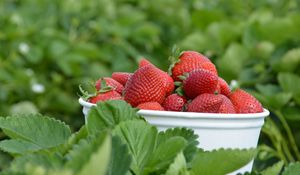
column 208, row 103
column 174, row 102
column 245, row 102
column 110, row 82
column 110, row 95
column 189, row 61
column 144, row 62
column 226, row 106
column 169, row 83
column 151, row 106
column 200, row 81
column 121, row 77
column 209, row 66
column 145, row 85
column 223, row 87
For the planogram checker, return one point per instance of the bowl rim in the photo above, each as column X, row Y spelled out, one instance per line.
column 194, row 115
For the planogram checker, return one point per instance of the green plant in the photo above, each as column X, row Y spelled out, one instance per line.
column 115, row 141
column 48, row 47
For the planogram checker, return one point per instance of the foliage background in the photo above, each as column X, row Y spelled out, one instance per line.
column 49, row 47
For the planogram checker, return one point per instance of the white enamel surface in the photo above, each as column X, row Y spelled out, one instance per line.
column 214, row 130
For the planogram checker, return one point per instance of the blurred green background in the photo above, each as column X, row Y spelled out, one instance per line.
column 49, row 47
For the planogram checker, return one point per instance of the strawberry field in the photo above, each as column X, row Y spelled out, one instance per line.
column 49, row 48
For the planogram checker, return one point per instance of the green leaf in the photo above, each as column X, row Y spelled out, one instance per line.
column 16, row 146
column 83, row 152
column 74, row 139
column 290, row 83
column 289, row 62
column 5, row 160
column 268, row 89
column 273, row 170
column 178, row 167
column 24, row 107
column 120, row 158
column 275, row 101
column 227, row 160
column 292, row 169
column 236, row 55
column 165, row 153
column 42, row 159
column 99, row 160
column 291, row 113
column 189, row 135
column 106, row 115
column 32, row 132
column 140, row 138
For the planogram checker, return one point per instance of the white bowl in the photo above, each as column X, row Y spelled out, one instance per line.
column 214, row 130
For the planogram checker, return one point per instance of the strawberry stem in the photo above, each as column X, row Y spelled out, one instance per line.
column 104, row 87
column 174, row 58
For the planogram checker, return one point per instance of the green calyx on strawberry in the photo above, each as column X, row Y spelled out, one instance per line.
column 103, row 94
column 110, row 82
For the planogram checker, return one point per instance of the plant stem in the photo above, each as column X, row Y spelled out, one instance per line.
column 289, row 133
column 287, row 151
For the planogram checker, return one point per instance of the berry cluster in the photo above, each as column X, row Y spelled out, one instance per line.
column 199, row 88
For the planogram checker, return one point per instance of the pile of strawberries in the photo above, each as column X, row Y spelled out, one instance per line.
column 192, row 85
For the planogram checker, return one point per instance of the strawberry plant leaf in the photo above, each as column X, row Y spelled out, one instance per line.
column 42, row 159
column 290, row 83
column 106, row 115
column 178, row 167
column 99, row 160
column 5, row 160
column 35, row 130
column 16, row 146
column 189, row 135
column 165, row 153
column 227, row 160
column 273, row 170
column 120, row 158
column 74, row 139
column 289, row 62
column 291, row 113
column 83, row 152
column 292, row 169
column 140, row 137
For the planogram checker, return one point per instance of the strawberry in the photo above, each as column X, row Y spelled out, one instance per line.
column 174, row 102
column 110, row 82
column 103, row 96
column 245, row 102
column 208, row 103
column 145, row 85
column 189, row 61
column 226, row 106
column 223, row 87
column 121, row 77
column 144, row 62
column 169, row 83
column 151, row 106
column 198, row 82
